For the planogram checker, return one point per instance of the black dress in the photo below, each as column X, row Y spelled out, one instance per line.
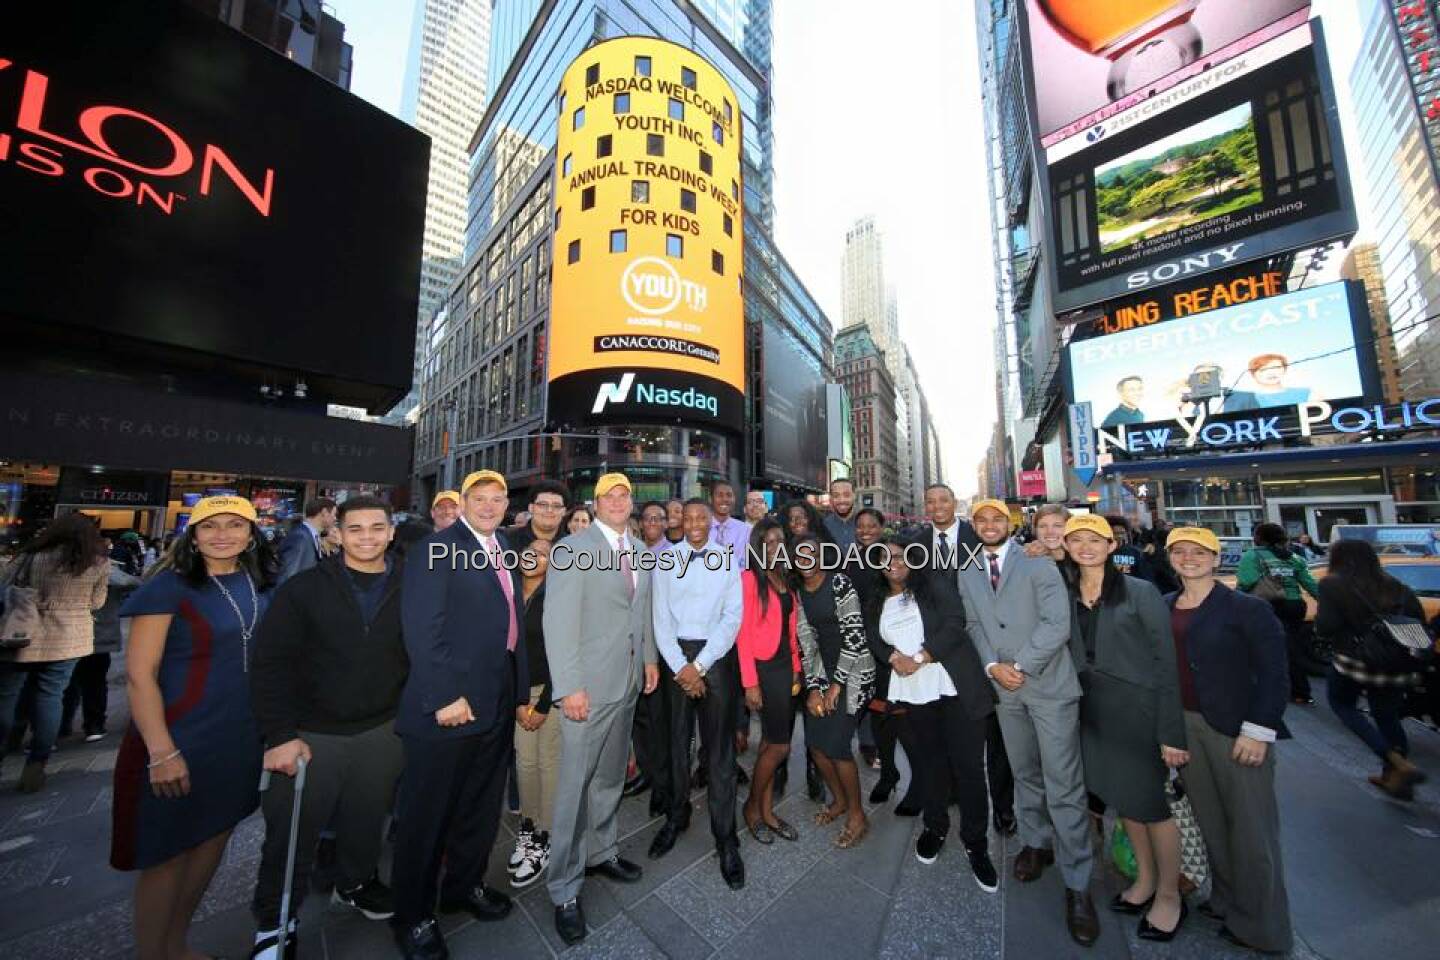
column 777, row 681
column 831, row 734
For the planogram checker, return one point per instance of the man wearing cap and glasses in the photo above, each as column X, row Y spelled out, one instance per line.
column 1020, row 622
column 600, row 643
column 461, row 610
column 445, row 509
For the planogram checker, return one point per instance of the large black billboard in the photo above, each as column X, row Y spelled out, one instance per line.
column 1239, row 162
column 168, row 180
column 796, row 428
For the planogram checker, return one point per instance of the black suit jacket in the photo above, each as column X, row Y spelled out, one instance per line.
column 455, row 625
column 1236, row 652
column 965, row 536
column 946, row 640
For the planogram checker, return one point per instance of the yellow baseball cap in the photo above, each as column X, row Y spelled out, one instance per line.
column 1092, row 522
column 482, row 476
column 999, row 505
column 609, row 482
column 216, row 506
column 1196, row 535
column 445, row 495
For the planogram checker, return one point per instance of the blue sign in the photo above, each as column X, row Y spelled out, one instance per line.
column 1082, row 442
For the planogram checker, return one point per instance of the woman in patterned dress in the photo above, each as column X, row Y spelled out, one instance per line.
column 189, row 767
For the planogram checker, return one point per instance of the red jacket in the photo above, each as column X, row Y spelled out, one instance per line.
column 759, row 636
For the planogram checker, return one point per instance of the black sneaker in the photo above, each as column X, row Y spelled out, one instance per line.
column 372, row 898
column 984, row 870
column 928, row 847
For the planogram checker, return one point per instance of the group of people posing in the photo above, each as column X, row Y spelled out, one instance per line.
column 1030, row 685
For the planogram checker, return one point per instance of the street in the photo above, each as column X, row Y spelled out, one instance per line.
column 1359, row 869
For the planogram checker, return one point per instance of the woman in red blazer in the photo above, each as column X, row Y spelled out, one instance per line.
column 769, row 671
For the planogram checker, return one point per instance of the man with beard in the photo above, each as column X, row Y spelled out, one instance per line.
column 840, row 521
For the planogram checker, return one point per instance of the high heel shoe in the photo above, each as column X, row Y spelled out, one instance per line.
column 1121, row 905
column 1149, row 931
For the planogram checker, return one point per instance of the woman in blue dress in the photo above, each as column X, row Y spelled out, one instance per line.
column 189, row 767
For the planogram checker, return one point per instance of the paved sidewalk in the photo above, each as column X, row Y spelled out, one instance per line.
column 1359, row 867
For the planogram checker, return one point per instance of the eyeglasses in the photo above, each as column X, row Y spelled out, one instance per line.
column 547, row 506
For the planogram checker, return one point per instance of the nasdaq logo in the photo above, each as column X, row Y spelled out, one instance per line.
column 612, row 393
column 648, row 393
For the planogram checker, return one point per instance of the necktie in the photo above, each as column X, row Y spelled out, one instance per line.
column 626, row 567
column 697, row 556
column 994, row 572
column 509, row 590
column 947, row 553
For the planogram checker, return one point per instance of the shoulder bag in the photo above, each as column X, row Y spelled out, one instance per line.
column 1270, row 586
column 20, row 621
column 1392, row 642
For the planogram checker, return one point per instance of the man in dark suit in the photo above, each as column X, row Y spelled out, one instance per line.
column 461, row 611
column 950, row 541
column 300, row 550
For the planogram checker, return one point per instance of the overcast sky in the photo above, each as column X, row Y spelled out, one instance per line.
column 877, row 111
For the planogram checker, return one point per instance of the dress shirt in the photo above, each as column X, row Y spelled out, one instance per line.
column 314, row 538
column 488, row 544
column 951, row 532
column 730, row 533
column 703, row 604
column 620, row 540
column 842, row 531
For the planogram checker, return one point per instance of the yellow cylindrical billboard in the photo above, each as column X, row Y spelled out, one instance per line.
column 647, row 321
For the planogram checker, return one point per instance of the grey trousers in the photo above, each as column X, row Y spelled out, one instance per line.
column 593, row 757
column 1240, row 820
column 350, row 784
column 1042, row 739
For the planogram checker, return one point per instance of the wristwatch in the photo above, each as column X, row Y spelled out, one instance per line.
column 919, row 658
column 698, row 668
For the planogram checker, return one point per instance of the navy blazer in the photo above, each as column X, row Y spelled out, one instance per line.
column 455, row 626
column 1236, row 652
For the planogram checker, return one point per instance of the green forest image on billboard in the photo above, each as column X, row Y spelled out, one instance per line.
column 1204, row 171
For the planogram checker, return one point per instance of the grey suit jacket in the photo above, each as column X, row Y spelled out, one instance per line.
column 597, row 638
column 1025, row 621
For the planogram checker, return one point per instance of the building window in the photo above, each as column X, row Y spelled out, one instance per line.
column 566, row 164
column 729, row 113
column 717, row 262
column 622, row 103
column 592, row 74
column 687, row 200
column 677, row 109
column 619, row 242
column 729, row 225
column 587, row 198
column 674, row 245
column 557, row 218
column 687, row 77
column 707, row 163
column 642, row 66
column 603, row 147
column 655, row 144
column 562, row 102
column 639, row 191
column 573, row 253
column 578, row 119
column 718, row 133
column 734, row 190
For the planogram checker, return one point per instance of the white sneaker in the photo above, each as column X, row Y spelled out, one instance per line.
column 524, row 843
column 534, row 864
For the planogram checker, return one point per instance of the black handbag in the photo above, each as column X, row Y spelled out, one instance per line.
column 1392, row 642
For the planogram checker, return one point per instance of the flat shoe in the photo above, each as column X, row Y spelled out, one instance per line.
column 761, row 831
column 824, row 817
column 784, row 830
column 848, row 840
column 1121, row 905
column 1148, row 931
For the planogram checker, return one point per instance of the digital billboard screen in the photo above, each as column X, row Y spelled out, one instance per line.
column 168, row 180
column 1102, row 58
column 1235, row 164
column 1282, row 351
column 646, row 313
column 796, row 419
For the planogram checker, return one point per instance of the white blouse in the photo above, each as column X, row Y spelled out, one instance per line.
column 902, row 628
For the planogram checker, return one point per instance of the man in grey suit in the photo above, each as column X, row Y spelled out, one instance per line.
column 1020, row 622
column 600, row 644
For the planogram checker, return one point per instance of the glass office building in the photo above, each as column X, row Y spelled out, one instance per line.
column 484, row 377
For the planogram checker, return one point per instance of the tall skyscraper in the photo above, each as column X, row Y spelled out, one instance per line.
column 444, row 97
column 863, row 369
column 1362, row 263
column 1403, row 195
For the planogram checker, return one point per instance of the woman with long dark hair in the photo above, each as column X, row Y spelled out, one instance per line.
column 935, row 672
column 1356, row 591
column 1272, row 559
column 769, row 656
column 67, row 565
column 1132, row 726
column 801, row 519
column 577, row 519
column 840, row 677
column 189, row 767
